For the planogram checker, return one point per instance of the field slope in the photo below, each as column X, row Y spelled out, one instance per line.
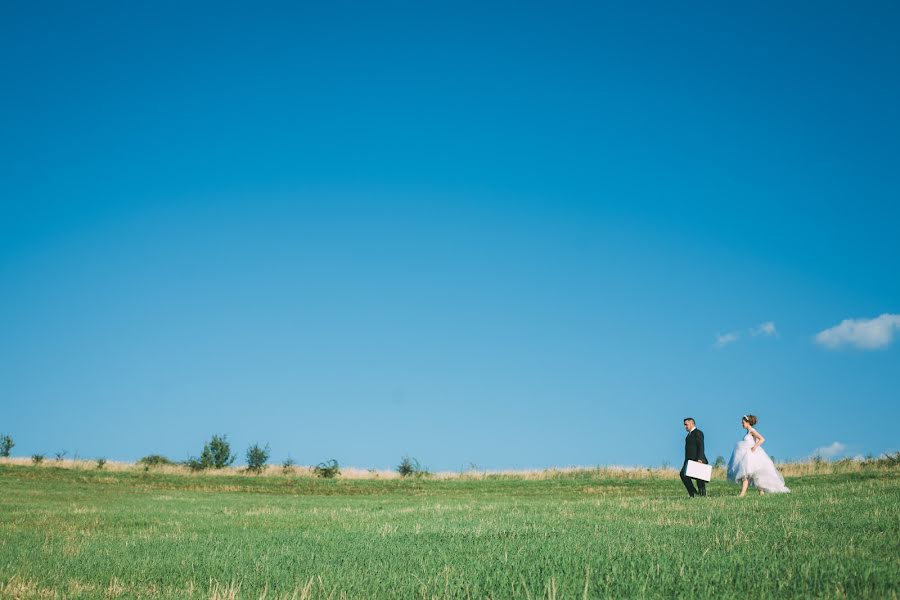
column 79, row 533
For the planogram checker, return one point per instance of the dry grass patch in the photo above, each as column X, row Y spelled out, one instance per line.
column 17, row 587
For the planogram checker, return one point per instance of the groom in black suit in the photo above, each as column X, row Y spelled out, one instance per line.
column 693, row 450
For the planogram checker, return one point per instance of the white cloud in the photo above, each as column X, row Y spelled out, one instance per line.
column 723, row 339
column 865, row 334
column 767, row 328
column 830, row 451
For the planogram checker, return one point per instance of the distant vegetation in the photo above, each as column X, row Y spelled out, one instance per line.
column 410, row 467
column 156, row 460
column 257, row 458
column 216, row 455
column 288, row 465
column 885, row 460
column 6, row 445
column 329, row 469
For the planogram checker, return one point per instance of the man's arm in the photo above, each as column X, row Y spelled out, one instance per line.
column 701, row 451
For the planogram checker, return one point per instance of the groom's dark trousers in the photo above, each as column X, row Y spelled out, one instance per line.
column 694, row 450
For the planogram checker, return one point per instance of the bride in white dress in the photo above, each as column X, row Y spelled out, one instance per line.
column 750, row 464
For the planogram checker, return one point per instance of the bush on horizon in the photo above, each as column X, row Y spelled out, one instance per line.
column 329, row 469
column 410, row 467
column 216, row 455
column 6, row 445
column 156, row 460
column 257, row 458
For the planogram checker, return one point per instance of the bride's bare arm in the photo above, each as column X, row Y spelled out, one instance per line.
column 759, row 440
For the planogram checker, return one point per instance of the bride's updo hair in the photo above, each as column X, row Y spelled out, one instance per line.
column 751, row 419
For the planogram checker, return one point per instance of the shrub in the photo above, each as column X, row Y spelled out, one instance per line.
column 156, row 460
column 257, row 458
column 720, row 462
column 37, row 458
column 6, row 444
column 328, row 470
column 409, row 467
column 101, row 462
column 287, row 467
column 216, row 455
column 59, row 456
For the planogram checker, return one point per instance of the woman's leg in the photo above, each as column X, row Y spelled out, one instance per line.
column 744, row 484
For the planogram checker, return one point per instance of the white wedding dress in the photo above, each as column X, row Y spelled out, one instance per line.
column 756, row 465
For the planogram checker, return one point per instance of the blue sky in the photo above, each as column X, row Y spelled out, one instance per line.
column 515, row 235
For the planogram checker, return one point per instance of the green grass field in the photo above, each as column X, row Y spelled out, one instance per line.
column 79, row 533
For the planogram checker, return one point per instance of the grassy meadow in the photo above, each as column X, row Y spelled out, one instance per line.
column 71, row 531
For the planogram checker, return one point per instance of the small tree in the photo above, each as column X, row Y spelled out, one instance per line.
column 217, row 453
column 720, row 462
column 328, row 470
column 6, row 444
column 287, row 467
column 408, row 466
column 257, row 458
column 101, row 462
column 37, row 458
column 59, row 456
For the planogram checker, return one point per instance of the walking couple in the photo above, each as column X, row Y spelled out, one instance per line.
column 749, row 464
